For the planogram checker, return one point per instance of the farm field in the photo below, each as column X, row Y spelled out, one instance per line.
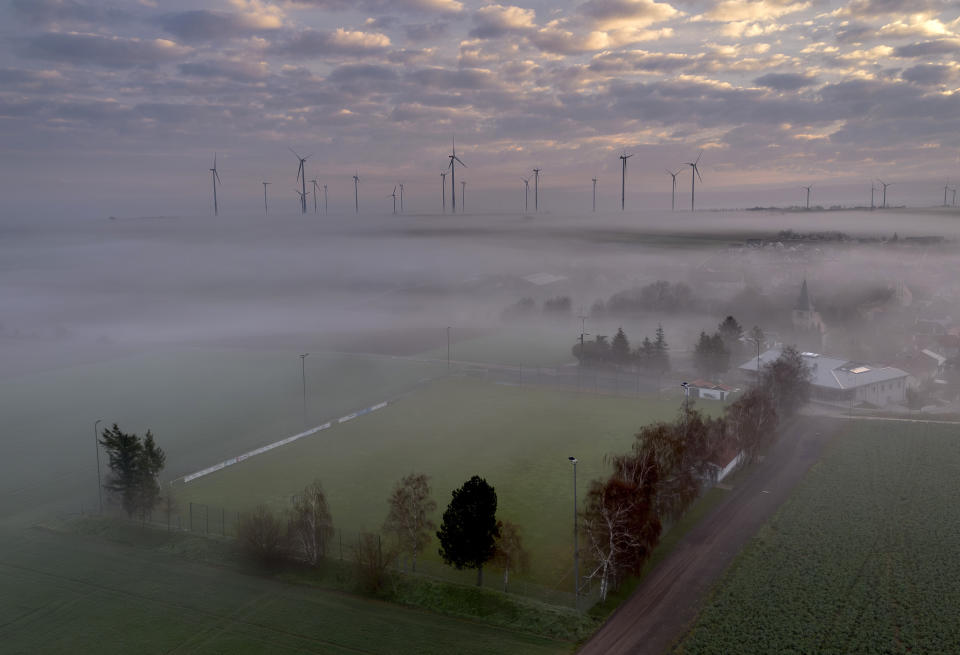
column 861, row 558
column 68, row 593
column 517, row 438
column 203, row 405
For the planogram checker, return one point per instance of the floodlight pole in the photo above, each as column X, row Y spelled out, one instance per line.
column 303, row 372
column 576, row 545
column 96, row 445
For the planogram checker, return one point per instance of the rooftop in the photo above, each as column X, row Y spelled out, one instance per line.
column 831, row 372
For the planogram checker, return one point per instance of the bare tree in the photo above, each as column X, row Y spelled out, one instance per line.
column 371, row 561
column 619, row 521
column 408, row 519
column 260, row 534
column 787, row 379
column 310, row 525
column 510, row 554
column 753, row 421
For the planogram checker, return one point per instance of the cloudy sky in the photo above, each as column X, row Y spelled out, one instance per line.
column 118, row 107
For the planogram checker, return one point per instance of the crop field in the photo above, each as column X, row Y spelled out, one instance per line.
column 517, row 438
column 861, row 559
column 64, row 593
column 203, row 405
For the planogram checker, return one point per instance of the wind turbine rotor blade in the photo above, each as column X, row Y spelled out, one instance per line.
column 698, row 157
column 294, row 152
column 697, row 171
column 217, row 175
column 460, row 162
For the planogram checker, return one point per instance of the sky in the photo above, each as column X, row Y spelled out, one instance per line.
column 117, row 108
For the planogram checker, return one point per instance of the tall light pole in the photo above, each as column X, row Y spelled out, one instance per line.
column 576, row 545
column 303, row 372
column 96, row 445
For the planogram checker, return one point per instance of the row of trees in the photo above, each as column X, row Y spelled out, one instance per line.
column 671, row 462
column 660, row 296
column 651, row 355
column 470, row 535
column 713, row 353
column 527, row 308
column 135, row 465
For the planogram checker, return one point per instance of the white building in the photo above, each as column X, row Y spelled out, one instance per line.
column 841, row 380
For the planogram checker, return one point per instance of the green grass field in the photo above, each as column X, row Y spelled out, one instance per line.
column 66, row 593
column 861, row 559
column 203, row 406
column 517, row 438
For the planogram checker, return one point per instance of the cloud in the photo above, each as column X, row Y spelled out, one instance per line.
column 427, row 31
column 107, row 51
column 494, row 21
column 869, row 8
column 928, row 74
column 376, row 6
column 785, row 81
column 752, row 10
column 626, row 14
column 203, row 25
column 917, row 25
column 442, row 78
column 236, row 70
column 313, row 43
column 929, row 48
column 642, row 61
column 46, row 12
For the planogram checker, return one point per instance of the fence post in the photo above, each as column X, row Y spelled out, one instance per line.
column 191, row 516
column 223, row 522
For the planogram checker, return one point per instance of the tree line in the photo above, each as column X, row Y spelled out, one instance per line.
column 670, row 463
column 651, row 355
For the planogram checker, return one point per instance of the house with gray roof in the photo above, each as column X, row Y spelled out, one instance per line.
column 841, row 380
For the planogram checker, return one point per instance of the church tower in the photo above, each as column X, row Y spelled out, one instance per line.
column 803, row 315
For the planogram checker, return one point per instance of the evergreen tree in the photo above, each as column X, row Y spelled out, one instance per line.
column 135, row 465
column 661, row 351
column 620, row 348
column 469, row 528
column 732, row 332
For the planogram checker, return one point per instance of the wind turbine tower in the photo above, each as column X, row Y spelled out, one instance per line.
column 526, row 194
column 536, row 189
column 673, row 190
column 356, row 194
column 401, row 197
column 594, row 194
column 302, row 178
column 324, row 199
column 694, row 173
column 315, row 185
column 443, row 191
column 216, row 180
column 884, row 185
column 454, row 160
column 946, row 187
column 265, row 198
column 808, row 195
column 873, row 189
column 394, row 196
column 623, row 180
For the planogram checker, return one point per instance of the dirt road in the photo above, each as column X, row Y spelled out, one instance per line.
column 668, row 600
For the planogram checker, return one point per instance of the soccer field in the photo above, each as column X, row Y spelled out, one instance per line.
column 861, row 559
column 517, row 438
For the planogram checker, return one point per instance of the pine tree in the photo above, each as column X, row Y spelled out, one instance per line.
column 661, row 350
column 620, row 348
column 135, row 465
column 469, row 529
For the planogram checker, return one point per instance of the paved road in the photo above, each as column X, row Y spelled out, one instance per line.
column 666, row 603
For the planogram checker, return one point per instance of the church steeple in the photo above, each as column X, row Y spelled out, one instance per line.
column 803, row 302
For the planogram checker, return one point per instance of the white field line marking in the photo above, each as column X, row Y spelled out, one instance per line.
column 283, row 442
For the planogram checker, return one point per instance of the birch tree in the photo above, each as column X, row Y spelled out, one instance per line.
column 408, row 519
column 311, row 525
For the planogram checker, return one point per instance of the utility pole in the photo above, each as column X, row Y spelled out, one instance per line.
column 96, row 445
column 576, row 545
column 303, row 372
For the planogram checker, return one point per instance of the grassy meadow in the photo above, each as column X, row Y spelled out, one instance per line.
column 517, row 438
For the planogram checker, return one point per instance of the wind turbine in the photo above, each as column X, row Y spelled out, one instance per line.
column 695, row 173
column 394, row 196
column 324, row 199
column 873, row 189
column 946, row 187
column 623, row 180
column 594, row 194
column 356, row 194
column 536, row 189
column 884, row 185
column 954, row 189
column 302, row 177
column 526, row 194
column 673, row 191
column 265, row 197
column 216, row 180
column 808, row 195
column 453, row 175
column 303, row 197
column 401, row 197
column 315, row 185
column 443, row 191
column 463, row 196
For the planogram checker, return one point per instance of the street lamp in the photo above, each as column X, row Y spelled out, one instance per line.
column 303, row 372
column 96, row 446
column 576, row 546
